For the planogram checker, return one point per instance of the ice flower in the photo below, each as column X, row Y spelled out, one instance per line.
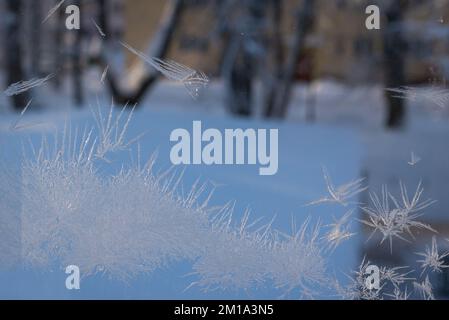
column 425, row 289
column 399, row 295
column 357, row 288
column 432, row 259
column 394, row 218
column 395, row 276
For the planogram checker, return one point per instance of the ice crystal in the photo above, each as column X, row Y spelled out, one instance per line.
column 339, row 231
column 100, row 31
column 16, row 126
column 425, row 289
column 22, row 86
column 130, row 223
column 135, row 221
column 53, row 10
column 414, row 159
column 398, row 220
column 399, row 295
column 341, row 194
column 193, row 80
column 104, row 74
column 298, row 262
column 432, row 259
column 437, row 96
column 357, row 288
column 112, row 132
column 395, row 276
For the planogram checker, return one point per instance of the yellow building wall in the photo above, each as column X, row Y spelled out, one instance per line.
column 141, row 23
column 334, row 48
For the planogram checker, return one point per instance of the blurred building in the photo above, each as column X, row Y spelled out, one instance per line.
column 340, row 47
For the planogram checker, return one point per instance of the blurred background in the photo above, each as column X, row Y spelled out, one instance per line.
column 311, row 67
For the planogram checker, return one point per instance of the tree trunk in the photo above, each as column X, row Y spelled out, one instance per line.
column 304, row 24
column 59, row 52
column 77, row 63
column 13, row 51
column 36, row 22
column 394, row 50
column 239, row 63
column 272, row 78
column 160, row 46
column 239, row 80
column 103, row 17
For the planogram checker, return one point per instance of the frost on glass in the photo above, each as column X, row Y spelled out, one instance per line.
column 193, row 80
column 134, row 222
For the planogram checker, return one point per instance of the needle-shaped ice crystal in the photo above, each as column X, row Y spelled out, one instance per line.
column 100, row 31
column 357, row 288
column 437, row 96
column 414, row 159
column 112, row 132
column 395, row 275
column 104, row 74
column 193, row 80
column 432, row 259
column 15, row 125
column 341, row 194
column 425, row 289
column 53, row 10
column 394, row 218
column 400, row 295
column 22, row 86
column 339, row 231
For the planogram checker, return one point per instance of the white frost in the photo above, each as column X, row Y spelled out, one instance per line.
column 53, row 10
column 22, row 86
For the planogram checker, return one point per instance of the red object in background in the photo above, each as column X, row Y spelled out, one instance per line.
column 304, row 68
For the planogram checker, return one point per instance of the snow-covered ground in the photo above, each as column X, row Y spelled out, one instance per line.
column 347, row 138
